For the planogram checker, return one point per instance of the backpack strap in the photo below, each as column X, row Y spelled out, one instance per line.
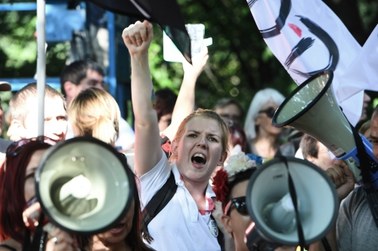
column 156, row 204
column 7, row 246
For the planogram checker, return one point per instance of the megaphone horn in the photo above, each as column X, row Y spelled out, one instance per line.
column 84, row 186
column 278, row 211
column 313, row 109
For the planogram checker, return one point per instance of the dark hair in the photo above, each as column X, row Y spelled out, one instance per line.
column 238, row 177
column 309, row 146
column 134, row 238
column 165, row 100
column 223, row 102
column 77, row 71
column 12, row 196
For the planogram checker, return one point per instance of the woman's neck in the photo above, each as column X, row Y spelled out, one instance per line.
column 198, row 191
column 264, row 147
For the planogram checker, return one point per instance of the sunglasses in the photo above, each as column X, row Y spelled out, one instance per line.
column 269, row 112
column 15, row 147
column 239, row 204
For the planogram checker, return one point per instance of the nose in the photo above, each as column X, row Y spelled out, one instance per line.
column 59, row 129
column 201, row 141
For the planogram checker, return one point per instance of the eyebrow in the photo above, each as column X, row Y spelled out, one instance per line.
column 198, row 132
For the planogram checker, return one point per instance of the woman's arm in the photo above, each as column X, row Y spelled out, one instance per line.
column 186, row 98
column 137, row 38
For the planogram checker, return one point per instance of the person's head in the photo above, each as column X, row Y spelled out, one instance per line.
column 238, row 139
column 128, row 230
column 23, row 114
column 365, row 106
column 4, row 86
column 94, row 112
column 316, row 152
column 261, row 111
column 374, row 131
column 230, row 186
column 17, row 185
column 165, row 100
column 365, row 129
column 200, row 145
column 230, row 110
column 80, row 75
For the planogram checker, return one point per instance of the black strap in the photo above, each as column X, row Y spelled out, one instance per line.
column 293, row 195
column 8, row 247
column 326, row 245
column 156, row 204
column 368, row 166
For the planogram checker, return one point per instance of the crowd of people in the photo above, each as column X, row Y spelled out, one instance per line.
column 190, row 166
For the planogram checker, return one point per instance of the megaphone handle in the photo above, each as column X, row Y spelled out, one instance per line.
column 293, row 195
column 40, row 236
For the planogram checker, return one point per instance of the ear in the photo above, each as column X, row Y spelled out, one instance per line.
column 258, row 119
column 70, row 89
column 174, row 147
column 222, row 159
column 15, row 130
column 226, row 221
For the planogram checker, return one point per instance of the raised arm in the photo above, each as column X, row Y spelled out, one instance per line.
column 186, row 98
column 137, row 38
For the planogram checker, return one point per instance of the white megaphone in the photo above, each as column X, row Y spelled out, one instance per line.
column 313, row 109
column 291, row 201
column 84, row 185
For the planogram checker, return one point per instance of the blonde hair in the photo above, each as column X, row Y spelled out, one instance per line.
column 94, row 112
column 19, row 104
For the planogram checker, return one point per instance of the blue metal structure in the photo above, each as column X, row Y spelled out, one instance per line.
column 18, row 83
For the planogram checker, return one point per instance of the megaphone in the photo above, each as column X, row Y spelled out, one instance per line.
column 84, row 185
column 291, row 201
column 313, row 109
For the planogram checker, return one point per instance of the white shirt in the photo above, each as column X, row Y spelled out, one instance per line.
column 179, row 225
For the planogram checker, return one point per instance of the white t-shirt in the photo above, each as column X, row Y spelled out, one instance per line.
column 179, row 225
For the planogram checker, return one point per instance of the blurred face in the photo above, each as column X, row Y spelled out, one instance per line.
column 324, row 159
column 165, row 121
column 236, row 221
column 115, row 237
column 374, row 133
column 365, row 106
column 29, row 174
column 230, row 114
column 55, row 122
column 264, row 119
column 199, row 150
column 93, row 79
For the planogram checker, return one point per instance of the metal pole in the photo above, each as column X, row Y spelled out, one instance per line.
column 41, row 64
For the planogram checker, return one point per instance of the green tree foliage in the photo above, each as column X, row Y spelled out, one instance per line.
column 240, row 62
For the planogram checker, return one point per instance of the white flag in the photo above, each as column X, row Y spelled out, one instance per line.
column 307, row 38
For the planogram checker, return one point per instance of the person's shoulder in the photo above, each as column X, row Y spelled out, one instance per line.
column 4, row 143
column 10, row 245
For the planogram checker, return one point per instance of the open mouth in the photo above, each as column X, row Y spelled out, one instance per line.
column 199, row 158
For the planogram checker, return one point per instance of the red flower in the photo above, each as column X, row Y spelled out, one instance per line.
column 220, row 185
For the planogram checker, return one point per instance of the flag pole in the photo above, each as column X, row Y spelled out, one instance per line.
column 41, row 63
